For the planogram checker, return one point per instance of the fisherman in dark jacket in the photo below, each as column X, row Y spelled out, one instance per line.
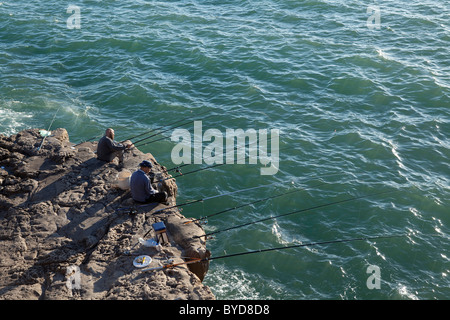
column 108, row 149
column 141, row 186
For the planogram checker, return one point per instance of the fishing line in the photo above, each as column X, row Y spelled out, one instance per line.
column 196, row 260
column 90, row 139
column 306, row 245
column 294, row 212
column 177, row 168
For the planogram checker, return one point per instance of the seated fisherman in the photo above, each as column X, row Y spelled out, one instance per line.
column 141, row 186
column 108, row 149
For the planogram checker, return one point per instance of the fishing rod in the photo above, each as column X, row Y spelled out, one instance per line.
column 196, row 260
column 213, row 197
column 162, row 127
column 46, row 134
column 147, row 132
column 201, row 169
column 136, row 143
column 223, row 211
column 294, row 212
column 190, row 172
column 193, row 201
column 216, row 196
column 254, row 202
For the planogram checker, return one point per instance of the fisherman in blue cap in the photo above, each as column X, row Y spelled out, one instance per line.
column 141, row 186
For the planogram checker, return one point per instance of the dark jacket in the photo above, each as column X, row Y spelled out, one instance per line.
column 107, row 148
column 141, row 186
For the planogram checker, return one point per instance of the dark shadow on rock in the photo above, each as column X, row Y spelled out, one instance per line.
column 55, row 184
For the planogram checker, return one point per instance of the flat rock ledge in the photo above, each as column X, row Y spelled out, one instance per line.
column 67, row 230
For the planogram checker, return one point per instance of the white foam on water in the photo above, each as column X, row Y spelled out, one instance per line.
column 13, row 121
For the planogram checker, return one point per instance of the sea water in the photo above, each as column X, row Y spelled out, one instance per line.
column 360, row 94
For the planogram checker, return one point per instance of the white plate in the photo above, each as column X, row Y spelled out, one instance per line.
column 142, row 261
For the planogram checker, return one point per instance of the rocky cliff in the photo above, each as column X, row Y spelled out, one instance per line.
column 67, row 231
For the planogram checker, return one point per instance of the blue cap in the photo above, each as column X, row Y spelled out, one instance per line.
column 146, row 163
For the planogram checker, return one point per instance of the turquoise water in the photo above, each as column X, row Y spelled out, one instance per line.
column 364, row 99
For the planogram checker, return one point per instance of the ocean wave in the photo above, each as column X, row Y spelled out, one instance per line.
column 370, row 106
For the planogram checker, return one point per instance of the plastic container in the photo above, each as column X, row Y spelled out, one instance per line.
column 150, row 243
column 124, row 179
